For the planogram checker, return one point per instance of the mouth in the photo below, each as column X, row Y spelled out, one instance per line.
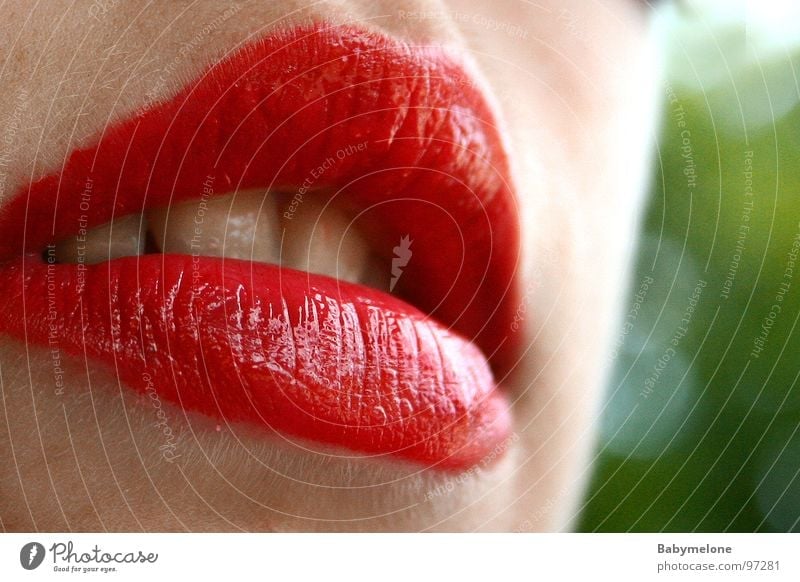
column 317, row 236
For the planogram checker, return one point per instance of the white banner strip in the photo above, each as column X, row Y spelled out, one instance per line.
column 400, row 557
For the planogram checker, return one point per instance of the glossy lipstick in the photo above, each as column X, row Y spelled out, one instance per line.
column 400, row 136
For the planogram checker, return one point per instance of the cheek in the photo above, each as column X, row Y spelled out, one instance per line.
column 581, row 146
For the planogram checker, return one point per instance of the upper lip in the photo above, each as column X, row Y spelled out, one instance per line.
column 434, row 169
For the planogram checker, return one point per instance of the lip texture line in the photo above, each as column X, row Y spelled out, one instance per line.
column 303, row 354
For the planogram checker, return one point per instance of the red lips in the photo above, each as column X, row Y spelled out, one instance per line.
column 398, row 135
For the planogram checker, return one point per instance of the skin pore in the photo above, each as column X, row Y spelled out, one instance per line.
column 573, row 84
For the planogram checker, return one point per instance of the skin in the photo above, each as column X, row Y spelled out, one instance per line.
column 573, row 82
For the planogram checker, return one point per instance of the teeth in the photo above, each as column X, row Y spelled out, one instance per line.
column 120, row 238
column 321, row 240
column 240, row 226
column 249, row 225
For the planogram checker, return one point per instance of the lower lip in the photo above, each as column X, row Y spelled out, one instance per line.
column 297, row 353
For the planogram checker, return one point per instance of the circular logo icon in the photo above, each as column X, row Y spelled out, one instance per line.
column 31, row 555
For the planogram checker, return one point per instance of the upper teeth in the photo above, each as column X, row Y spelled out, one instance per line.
column 120, row 238
column 249, row 225
column 242, row 226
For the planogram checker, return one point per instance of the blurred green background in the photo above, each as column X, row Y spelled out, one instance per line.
column 701, row 429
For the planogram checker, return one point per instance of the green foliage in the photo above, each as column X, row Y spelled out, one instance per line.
column 701, row 431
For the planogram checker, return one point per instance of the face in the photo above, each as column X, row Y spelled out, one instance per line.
column 179, row 141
